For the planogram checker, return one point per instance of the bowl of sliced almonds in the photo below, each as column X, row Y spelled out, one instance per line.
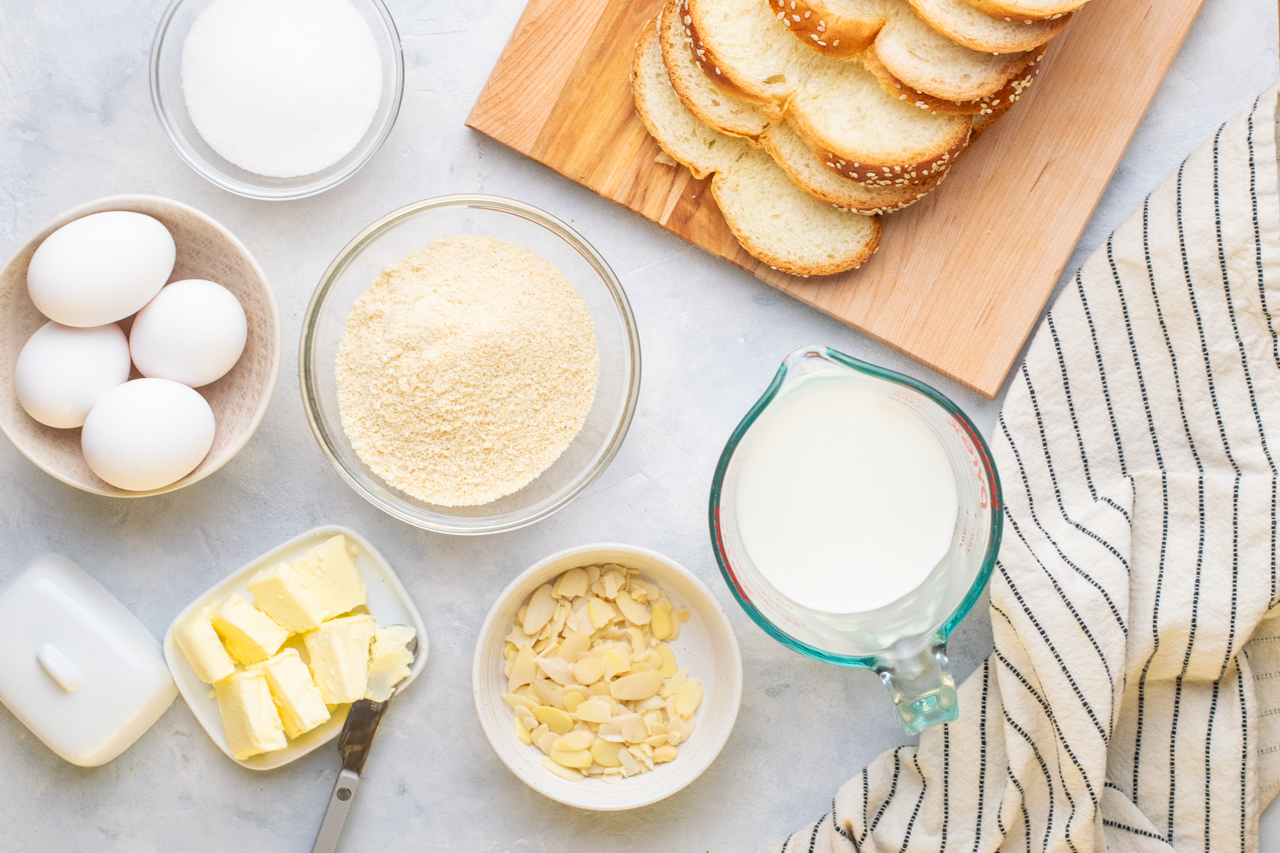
column 607, row 677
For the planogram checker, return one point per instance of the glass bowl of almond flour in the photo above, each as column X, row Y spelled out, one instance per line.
column 469, row 364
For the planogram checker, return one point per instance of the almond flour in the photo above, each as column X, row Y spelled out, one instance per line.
column 465, row 370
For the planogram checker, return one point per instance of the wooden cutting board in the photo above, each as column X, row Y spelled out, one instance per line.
column 962, row 275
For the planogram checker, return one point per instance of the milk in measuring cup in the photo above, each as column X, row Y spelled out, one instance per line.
column 846, row 501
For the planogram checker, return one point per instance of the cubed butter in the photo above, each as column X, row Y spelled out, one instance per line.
column 389, row 661
column 204, row 651
column 250, row 635
column 249, row 715
column 339, row 651
column 283, row 593
column 328, row 571
column 294, row 691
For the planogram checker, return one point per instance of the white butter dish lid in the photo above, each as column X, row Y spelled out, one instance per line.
column 76, row 667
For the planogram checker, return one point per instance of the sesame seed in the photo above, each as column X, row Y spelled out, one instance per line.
column 796, row 18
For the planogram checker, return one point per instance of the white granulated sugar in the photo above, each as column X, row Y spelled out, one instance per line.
column 281, row 88
column 465, row 370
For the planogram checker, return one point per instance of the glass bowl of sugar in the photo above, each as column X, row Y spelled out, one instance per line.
column 276, row 99
column 436, row 376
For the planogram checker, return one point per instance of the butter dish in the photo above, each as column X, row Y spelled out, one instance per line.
column 78, row 668
column 388, row 603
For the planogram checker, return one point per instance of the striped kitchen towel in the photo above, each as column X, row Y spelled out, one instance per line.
column 1132, row 702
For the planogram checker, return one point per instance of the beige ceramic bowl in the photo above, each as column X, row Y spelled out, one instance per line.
column 706, row 645
column 239, row 399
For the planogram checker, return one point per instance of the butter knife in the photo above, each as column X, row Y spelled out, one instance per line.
column 353, row 745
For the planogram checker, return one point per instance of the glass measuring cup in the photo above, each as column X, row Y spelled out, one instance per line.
column 905, row 641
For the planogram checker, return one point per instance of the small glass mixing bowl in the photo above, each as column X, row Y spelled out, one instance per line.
column 171, row 108
column 415, row 227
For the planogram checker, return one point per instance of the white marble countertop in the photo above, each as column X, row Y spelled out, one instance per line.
column 76, row 123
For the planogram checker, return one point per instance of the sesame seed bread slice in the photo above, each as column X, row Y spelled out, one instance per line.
column 713, row 105
column 997, row 102
column 772, row 219
column 912, row 50
column 1026, row 10
column 806, row 170
column 965, row 25
column 838, row 107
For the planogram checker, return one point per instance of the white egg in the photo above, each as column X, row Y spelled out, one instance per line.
column 147, row 433
column 100, row 268
column 193, row 332
column 63, row 371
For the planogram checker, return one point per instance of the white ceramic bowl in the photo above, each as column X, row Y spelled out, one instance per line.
column 706, row 645
column 239, row 400
column 389, row 603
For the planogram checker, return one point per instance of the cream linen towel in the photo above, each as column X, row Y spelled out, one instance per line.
column 1133, row 699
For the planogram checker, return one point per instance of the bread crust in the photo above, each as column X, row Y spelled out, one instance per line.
column 1012, row 10
column 826, row 31
column 1018, row 39
column 1011, row 92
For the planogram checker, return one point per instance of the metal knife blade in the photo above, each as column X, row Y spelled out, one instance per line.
column 358, row 733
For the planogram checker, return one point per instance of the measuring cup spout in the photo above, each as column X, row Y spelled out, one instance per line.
column 920, row 683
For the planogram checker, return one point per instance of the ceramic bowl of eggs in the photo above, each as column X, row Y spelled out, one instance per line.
column 141, row 346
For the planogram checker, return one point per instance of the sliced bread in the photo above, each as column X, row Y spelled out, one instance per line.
column 926, row 60
column 997, row 102
column 911, row 49
column 772, row 219
column 1026, row 10
column 965, row 25
column 838, row 107
column 739, row 117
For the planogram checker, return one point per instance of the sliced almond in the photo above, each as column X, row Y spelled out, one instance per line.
column 562, row 771
column 589, row 669
column 575, row 741
column 594, row 710
column 667, row 658
column 600, row 612
column 571, row 584
column 606, row 753
column 663, row 625
column 673, row 683
column 549, row 693
column 540, row 609
column 630, row 767
column 640, row 685
column 554, row 719
column 518, row 701
column 614, row 664
column 575, row 643
column 557, row 669
column 688, row 697
column 663, row 754
column 632, row 610
column 546, row 741
column 523, row 733
column 575, row 696
column 524, row 669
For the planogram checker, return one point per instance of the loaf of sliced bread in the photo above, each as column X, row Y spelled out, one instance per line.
column 806, row 170
column 912, row 50
column 965, row 25
column 1026, row 10
column 837, row 106
column 772, row 219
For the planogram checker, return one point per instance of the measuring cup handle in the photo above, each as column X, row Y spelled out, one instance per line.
column 922, row 688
